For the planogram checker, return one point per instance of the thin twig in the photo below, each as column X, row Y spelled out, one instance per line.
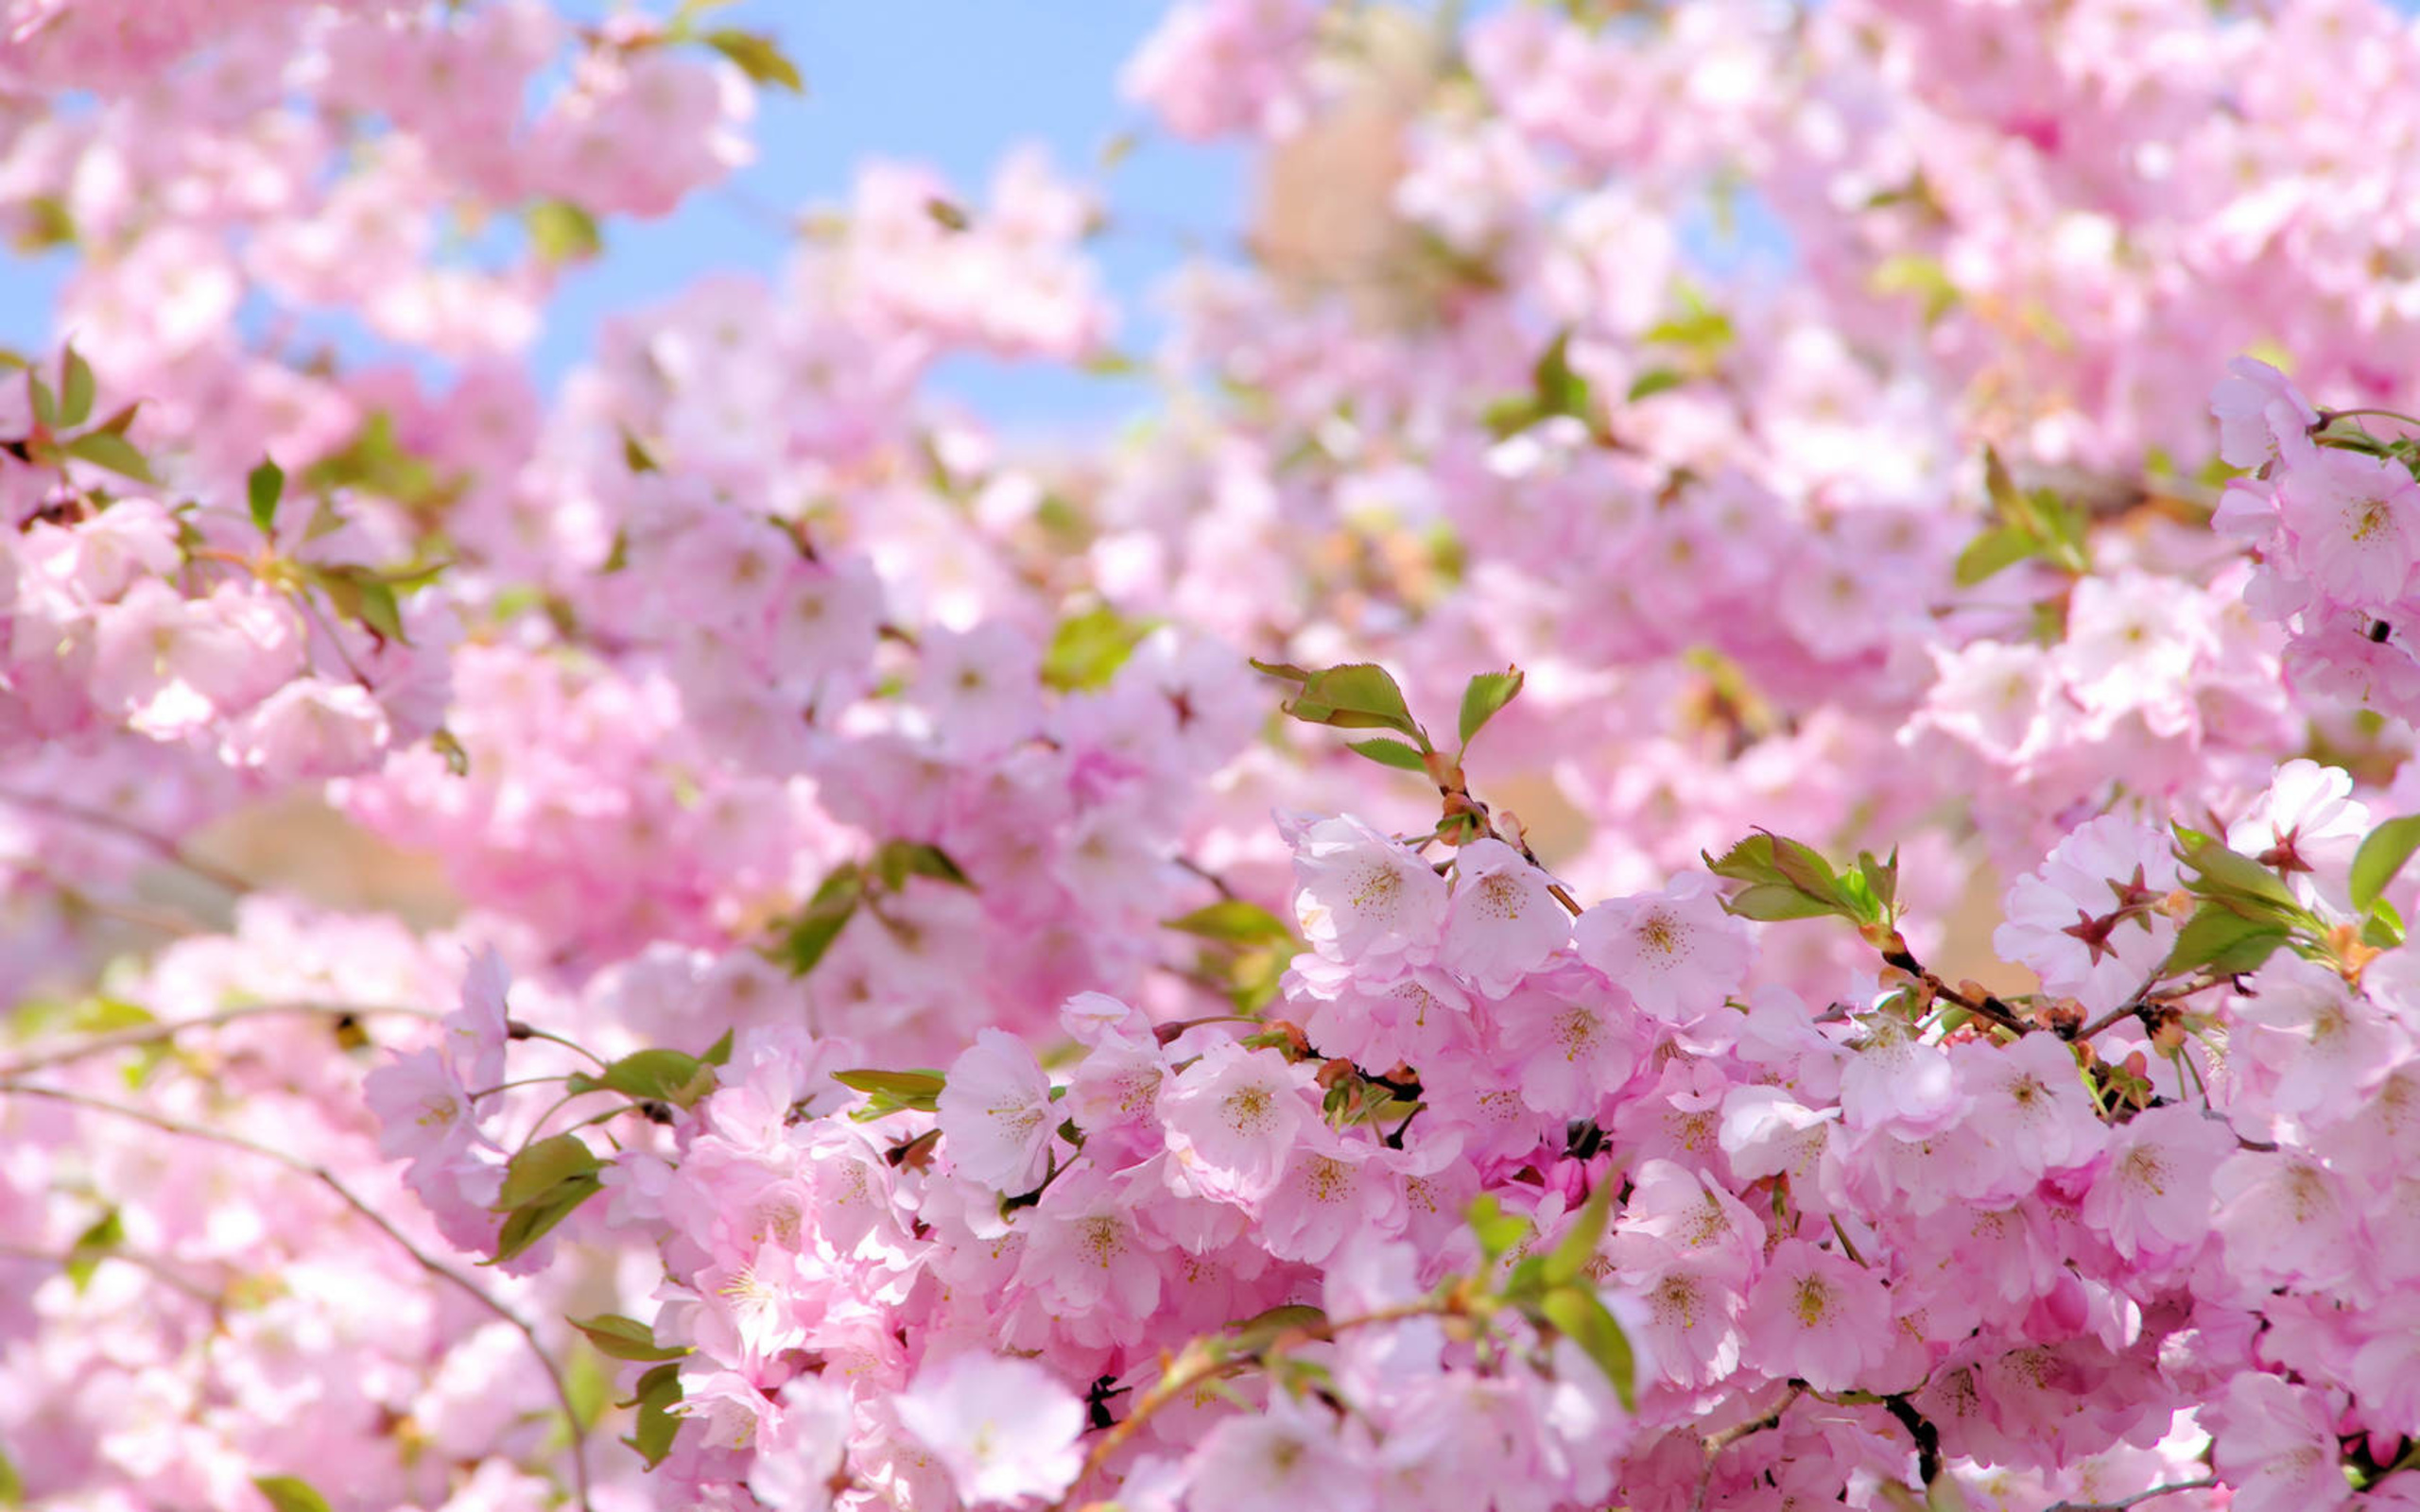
column 158, row 1268
column 2204, row 1483
column 1209, row 1363
column 325, row 1178
column 158, row 845
column 147, row 1034
column 1717, row 1443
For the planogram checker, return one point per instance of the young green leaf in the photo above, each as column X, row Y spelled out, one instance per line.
column 288, row 1493
column 533, row 1220
column 1485, row 694
column 656, row 1393
column 262, row 488
column 1578, row 1315
column 919, row 1090
column 1086, row 649
column 759, row 57
column 2382, row 854
column 1392, row 753
column 2224, row 873
column 1569, row 1259
column 656, row 1076
column 1992, row 551
column 1498, row 1232
column 1234, row 921
column 542, row 1167
column 2223, row 941
column 898, row 860
column 110, row 450
column 1652, row 381
column 625, row 1338
column 805, row 938
column 91, row 1246
column 560, row 233
column 1359, row 696
column 75, row 390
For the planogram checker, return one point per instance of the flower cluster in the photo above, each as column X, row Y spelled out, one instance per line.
column 728, row 904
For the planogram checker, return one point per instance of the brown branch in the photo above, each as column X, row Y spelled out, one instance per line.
column 158, row 845
column 325, row 1178
column 147, row 1034
column 1211, row 1356
column 1717, row 1443
column 2204, row 1483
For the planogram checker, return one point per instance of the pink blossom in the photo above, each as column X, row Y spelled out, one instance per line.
column 996, row 1114
column 1676, row 952
column 1817, row 1315
column 1005, row 1429
column 1235, row 1119
column 1502, row 922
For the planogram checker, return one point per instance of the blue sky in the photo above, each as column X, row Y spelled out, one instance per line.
column 950, row 83
column 953, row 84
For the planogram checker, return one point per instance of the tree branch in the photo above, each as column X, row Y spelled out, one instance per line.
column 327, row 1179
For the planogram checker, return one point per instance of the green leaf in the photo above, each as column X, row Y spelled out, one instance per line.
column 533, row 1221
column 1652, row 381
column 12, row 1485
column 1561, row 390
column 110, row 450
column 1702, row 328
column 75, row 390
column 635, row 456
column 1992, row 551
column 656, row 1393
column 379, row 612
column 1235, row 922
column 758, row 57
column 625, row 1338
column 2224, row 940
column 947, row 214
column 1568, row 1260
column 919, row 1090
column 1772, row 901
column 47, row 224
column 1485, row 695
column 1924, row 276
column 288, row 1493
column 1087, row 650
column 2382, row 854
column 1881, row 878
column 590, row 1392
column 805, row 939
column 718, row 1054
column 1357, row 696
column 1258, row 1332
column 898, row 860
column 1750, row 861
column 449, row 745
column 91, row 1246
column 1578, row 1315
column 2227, row 873
column 2383, row 929
column 375, row 462
column 264, row 487
column 542, row 1167
column 363, row 596
column 1498, row 1232
column 44, row 402
column 1392, row 753
column 561, row 231
column 655, row 1075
